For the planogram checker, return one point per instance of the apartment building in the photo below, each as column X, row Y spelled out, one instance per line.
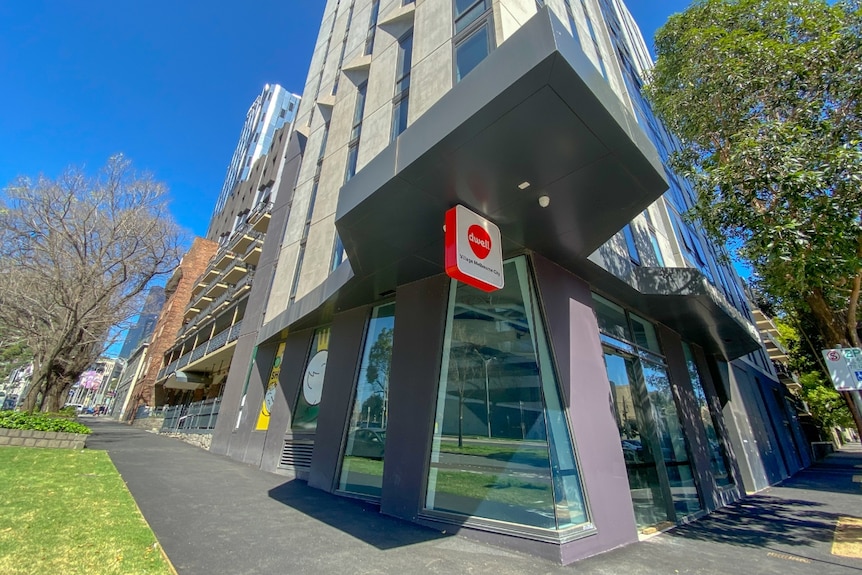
column 195, row 364
column 610, row 384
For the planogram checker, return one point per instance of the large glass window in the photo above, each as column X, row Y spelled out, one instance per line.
column 308, row 402
column 718, row 460
column 502, row 449
column 362, row 464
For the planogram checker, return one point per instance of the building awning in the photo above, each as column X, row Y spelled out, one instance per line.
column 535, row 110
column 683, row 300
column 186, row 380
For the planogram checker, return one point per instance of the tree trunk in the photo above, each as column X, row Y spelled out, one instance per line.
column 827, row 324
column 851, row 405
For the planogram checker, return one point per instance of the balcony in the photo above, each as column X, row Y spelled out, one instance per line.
column 252, row 254
column 236, row 271
column 216, row 288
column 244, row 238
column 258, row 218
column 221, row 260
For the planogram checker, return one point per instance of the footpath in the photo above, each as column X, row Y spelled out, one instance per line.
column 216, row 516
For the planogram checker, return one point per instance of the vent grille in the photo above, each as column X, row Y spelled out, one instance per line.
column 296, row 454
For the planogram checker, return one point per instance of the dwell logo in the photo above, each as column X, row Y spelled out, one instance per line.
column 474, row 253
column 480, row 241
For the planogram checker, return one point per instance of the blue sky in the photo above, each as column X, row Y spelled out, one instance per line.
column 167, row 83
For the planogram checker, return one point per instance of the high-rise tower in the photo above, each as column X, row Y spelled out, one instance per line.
column 272, row 109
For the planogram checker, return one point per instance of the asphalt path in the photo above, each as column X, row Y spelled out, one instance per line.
column 213, row 515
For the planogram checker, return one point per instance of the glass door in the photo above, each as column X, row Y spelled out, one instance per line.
column 671, row 439
column 638, row 438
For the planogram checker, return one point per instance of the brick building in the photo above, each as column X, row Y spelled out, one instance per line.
column 178, row 290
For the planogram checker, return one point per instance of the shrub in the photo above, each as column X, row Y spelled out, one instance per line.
column 40, row 422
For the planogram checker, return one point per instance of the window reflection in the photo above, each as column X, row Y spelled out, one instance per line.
column 502, row 448
column 671, row 440
column 717, row 454
column 362, row 464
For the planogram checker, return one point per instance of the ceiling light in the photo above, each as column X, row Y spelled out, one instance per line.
column 544, row 200
column 523, row 185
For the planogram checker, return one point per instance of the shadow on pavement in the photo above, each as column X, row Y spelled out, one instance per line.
column 763, row 521
column 357, row 518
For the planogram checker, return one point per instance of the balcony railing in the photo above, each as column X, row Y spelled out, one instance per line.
column 235, row 331
column 197, row 417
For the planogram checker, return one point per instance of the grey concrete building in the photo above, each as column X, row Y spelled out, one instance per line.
column 615, row 385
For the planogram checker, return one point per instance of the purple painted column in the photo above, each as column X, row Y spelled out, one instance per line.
column 577, row 350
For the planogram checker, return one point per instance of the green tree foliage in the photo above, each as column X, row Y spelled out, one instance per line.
column 765, row 96
column 826, row 405
column 76, row 255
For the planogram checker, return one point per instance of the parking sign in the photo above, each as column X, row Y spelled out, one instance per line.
column 845, row 367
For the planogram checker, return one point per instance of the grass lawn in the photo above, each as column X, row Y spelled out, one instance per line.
column 69, row 512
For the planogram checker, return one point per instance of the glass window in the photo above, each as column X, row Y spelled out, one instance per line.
column 611, row 318
column 362, row 464
column 656, row 248
column 352, row 157
column 337, row 253
column 308, row 403
column 467, row 12
column 631, row 245
column 644, row 334
column 402, row 85
column 471, row 51
column 372, row 27
column 501, row 447
column 718, row 460
column 399, row 116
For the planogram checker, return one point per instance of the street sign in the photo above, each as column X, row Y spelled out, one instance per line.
column 845, row 367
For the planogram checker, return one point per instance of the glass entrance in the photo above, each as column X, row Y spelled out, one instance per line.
column 654, row 447
column 636, row 435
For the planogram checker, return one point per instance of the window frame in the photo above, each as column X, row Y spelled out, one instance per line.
column 485, row 19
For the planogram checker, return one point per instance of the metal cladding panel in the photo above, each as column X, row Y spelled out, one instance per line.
column 534, row 110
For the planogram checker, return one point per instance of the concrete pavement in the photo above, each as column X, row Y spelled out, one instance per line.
column 213, row 515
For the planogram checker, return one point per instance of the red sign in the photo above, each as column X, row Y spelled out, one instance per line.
column 474, row 253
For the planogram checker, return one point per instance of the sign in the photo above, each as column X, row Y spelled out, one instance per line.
column 474, row 250
column 271, row 388
column 845, row 367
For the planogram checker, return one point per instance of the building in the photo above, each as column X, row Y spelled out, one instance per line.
column 143, row 328
column 271, row 110
column 144, row 394
column 132, row 371
column 614, row 386
column 217, row 316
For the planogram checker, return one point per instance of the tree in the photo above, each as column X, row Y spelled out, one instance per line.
column 77, row 255
column 826, row 405
column 765, row 96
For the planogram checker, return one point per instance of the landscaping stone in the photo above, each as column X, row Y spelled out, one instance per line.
column 30, row 438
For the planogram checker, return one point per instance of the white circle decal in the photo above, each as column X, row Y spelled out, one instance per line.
column 312, row 385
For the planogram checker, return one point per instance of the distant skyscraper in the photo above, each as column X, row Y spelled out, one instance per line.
column 273, row 108
column 146, row 321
